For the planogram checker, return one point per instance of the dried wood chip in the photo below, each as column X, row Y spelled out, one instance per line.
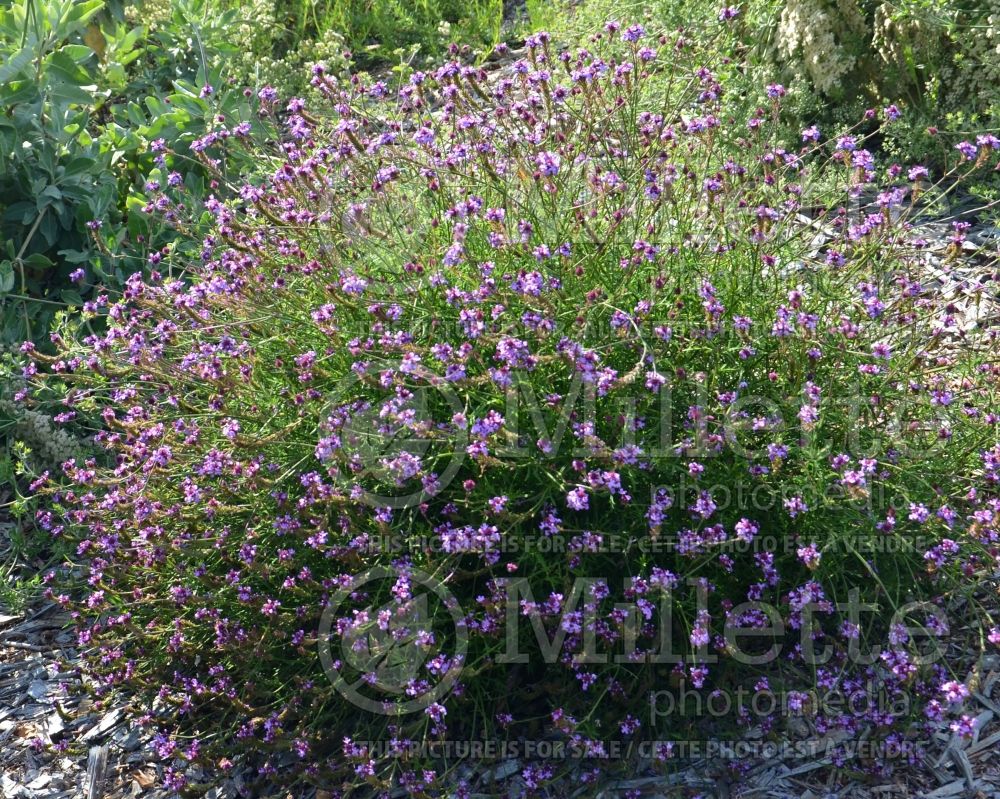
column 54, row 726
column 38, row 690
column 25, row 646
column 502, row 771
column 960, row 759
column 97, row 766
column 982, row 720
column 105, row 725
column 40, row 782
column 950, row 789
column 11, row 789
column 985, row 743
column 986, row 702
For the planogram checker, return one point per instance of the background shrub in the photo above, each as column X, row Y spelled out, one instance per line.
column 938, row 60
column 53, row 177
column 376, row 29
column 91, row 103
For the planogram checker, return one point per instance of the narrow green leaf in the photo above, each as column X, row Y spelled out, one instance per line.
column 79, row 166
column 75, row 256
column 38, row 261
column 16, row 64
column 79, row 13
column 6, row 276
column 71, row 297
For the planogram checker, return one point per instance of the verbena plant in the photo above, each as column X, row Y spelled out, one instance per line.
column 90, row 101
column 534, row 328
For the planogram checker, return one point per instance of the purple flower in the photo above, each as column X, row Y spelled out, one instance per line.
column 811, row 134
column 964, row 727
column 746, row 530
column 548, row 163
column 270, row 607
column 704, row 506
column 967, row 149
column 630, row 725
column 954, row 691
column 862, row 159
column 882, row 350
column 577, row 499
column 795, row 506
column 633, row 33
column 809, row 555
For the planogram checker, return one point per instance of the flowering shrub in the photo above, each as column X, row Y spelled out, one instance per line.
column 825, row 40
column 530, row 359
column 939, row 58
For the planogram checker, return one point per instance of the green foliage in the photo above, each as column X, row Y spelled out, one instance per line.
column 375, row 28
column 85, row 94
column 274, row 49
column 937, row 59
column 53, row 175
column 574, row 21
column 276, row 43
